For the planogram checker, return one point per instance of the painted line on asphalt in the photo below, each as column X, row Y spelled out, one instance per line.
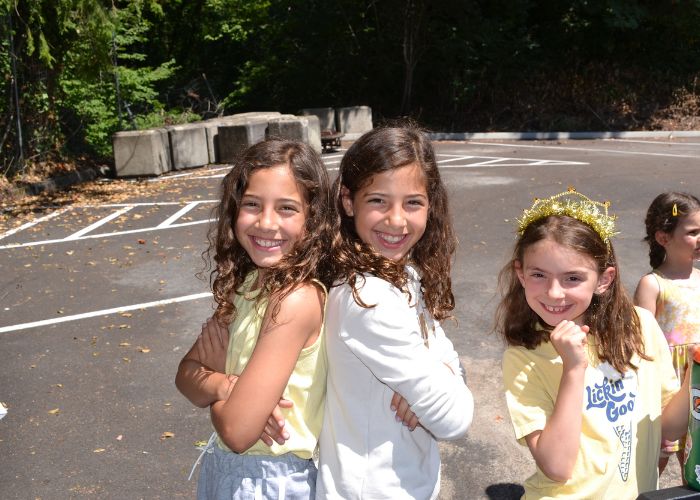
column 125, row 207
column 190, row 174
column 103, row 312
column 104, row 220
column 491, row 162
column 105, row 235
column 668, row 143
column 34, row 222
column 614, row 151
column 167, row 222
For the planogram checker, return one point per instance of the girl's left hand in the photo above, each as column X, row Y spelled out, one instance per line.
column 403, row 412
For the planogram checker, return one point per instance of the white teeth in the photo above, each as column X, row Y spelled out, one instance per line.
column 391, row 238
column 268, row 243
column 554, row 309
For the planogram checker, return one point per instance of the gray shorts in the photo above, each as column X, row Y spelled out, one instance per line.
column 230, row 476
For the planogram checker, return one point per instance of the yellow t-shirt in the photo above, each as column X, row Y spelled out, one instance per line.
column 621, row 428
column 306, row 387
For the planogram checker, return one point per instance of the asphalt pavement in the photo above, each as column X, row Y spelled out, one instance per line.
column 98, row 303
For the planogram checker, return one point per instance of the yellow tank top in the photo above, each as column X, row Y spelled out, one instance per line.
column 307, row 384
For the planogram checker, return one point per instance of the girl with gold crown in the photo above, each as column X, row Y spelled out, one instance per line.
column 588, row 377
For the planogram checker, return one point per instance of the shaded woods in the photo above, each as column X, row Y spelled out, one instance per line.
column 75, row 71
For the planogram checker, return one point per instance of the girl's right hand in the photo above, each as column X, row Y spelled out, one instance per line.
column 212, row 345
column 569, row 340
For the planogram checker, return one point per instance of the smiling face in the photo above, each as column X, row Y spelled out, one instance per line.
column 683, row 244
column 390, row 212
column 272, row 215
column 559, row 282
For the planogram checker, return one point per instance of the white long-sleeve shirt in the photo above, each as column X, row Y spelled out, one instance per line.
column 372, row 352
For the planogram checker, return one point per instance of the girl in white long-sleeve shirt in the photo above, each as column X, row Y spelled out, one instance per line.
column 395, row 384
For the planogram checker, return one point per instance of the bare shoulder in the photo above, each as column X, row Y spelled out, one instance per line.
column 305, row 302
column 647, row 292
column 648, row 285
column 306, row 294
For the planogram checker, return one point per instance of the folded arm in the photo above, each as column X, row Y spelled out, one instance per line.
column 242, row 418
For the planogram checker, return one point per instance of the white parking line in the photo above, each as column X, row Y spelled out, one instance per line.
column 34, row 222
column 99, row 223
column 614, row 151
column 661, row 143
column 106, row 235
column 177, row 215
column 458, row 158
column 125, row 207
column 103, row 312
column 191, row 174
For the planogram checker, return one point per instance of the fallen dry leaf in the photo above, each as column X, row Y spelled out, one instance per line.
column 55, row 411
column 98, row 450
column 144, row 349
column 167, row 435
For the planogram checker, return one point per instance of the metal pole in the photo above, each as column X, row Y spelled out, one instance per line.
column 116, row 80
column 20, row 141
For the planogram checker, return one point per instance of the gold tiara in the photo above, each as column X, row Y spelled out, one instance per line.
column 573, row 204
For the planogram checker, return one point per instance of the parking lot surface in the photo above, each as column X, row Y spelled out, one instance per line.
column 98, row 303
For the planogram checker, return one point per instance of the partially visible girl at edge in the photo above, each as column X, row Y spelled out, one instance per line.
column 269, row 248
column 671, row 291
column 588, row 377
column 395, row 384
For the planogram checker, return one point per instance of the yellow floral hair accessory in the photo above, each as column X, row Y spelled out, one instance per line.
column 573, row 204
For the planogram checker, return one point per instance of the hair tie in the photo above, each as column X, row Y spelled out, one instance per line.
column 572, row 204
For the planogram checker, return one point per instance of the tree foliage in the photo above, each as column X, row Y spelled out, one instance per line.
column 86, row 68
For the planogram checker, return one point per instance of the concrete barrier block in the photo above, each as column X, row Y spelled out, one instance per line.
column 141, row 152
column 326, row 117
column 211, row 127
column 354, row 121
column 252, row 115
column 290, row 128
column 314, row 133
column 234, row 138
column 296, row 128
column 188, row 145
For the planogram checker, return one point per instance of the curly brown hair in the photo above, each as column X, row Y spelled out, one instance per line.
column 660, row 217
column 308, row 259
column 381, row 150
column 611, row 316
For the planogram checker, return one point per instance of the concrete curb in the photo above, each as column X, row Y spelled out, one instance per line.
column 533, row 136
column 60, row 182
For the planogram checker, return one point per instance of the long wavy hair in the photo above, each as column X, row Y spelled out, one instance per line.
column 229, row 263
column 381, row 150
column 660, row 217
column 611, row 316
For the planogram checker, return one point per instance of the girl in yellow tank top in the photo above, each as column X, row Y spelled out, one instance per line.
column 259, row 363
